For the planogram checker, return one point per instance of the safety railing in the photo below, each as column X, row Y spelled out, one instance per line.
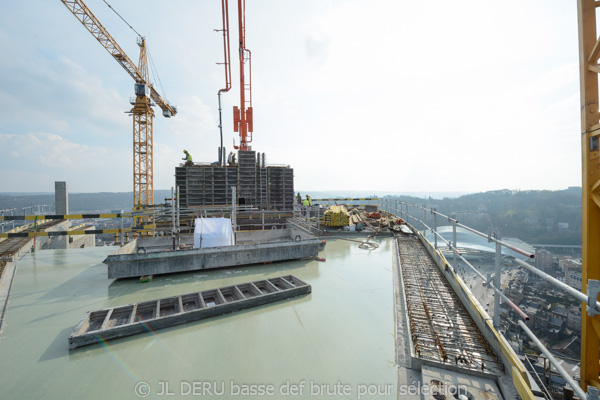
column 22, row 211
column 412, row 212
column 307, row 217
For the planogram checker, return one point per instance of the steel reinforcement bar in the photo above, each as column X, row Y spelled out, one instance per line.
column 441, row 329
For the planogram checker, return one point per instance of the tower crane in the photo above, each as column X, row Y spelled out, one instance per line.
column 143, row 114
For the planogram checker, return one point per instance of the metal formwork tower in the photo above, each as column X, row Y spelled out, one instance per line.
column 589, row 54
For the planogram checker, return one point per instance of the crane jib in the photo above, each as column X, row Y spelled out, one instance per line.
column 93, row 25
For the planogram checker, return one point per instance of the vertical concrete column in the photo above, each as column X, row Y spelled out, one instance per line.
column 61, row 198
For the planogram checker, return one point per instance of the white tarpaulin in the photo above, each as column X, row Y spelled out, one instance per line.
column 213, row 232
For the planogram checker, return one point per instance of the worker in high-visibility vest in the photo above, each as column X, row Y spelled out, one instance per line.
column 305, row 203
column 187, row 158
column 309, row 199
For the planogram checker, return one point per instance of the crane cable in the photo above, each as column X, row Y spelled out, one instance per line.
column 152, row 66
column 155, row 72
column 115, row 11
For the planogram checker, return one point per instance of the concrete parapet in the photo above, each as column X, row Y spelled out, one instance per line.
column 144, row 262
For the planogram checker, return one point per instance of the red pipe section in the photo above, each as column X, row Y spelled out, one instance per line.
column 242, row 116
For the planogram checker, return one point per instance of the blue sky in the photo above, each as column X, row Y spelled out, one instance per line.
column 397, row 96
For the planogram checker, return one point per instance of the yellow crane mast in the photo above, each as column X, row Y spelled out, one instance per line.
column 589, row 57
column 143, row 114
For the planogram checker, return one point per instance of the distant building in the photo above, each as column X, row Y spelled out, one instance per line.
column 556, row 327
column 560, row 312
column 574, row 279
column 531, row 220
column 531, row 313
column 568, row 264
column 563, row 226
column 549, row 224
column 541, row 320
column 574, row 319
column 544, row 260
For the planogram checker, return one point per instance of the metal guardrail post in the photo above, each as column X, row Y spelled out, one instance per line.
column 178, row 223
column 497, row 280
column 173, row 216
column 435, row 229
column 234, row 211
column 318, row 218
column 454, row 244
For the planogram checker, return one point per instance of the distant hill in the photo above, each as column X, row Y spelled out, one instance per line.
column 79, row 202
column 535, row 216
column 329, row 194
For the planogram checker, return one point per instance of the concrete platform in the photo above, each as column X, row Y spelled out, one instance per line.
column 341, row 333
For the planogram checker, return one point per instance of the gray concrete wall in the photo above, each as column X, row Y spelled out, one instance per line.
column 61, row 198
column 263, row 236
column 271, row 235
column 47, row 242
column 81, row 241
column 66, row 241
column 128, row 248
column 153, row 263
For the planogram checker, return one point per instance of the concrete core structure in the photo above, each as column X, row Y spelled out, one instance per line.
column 61, row 198
column 259, row 185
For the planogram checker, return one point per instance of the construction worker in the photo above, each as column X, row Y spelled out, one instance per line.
column 305, row 203
column 299, row 200
column 309, row 199
column 188, row 159
column 230, row 158
column 233, row 160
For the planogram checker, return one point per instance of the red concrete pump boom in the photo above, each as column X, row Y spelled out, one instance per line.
column 242, row 116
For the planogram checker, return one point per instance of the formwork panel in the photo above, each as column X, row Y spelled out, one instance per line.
column 267, row 188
